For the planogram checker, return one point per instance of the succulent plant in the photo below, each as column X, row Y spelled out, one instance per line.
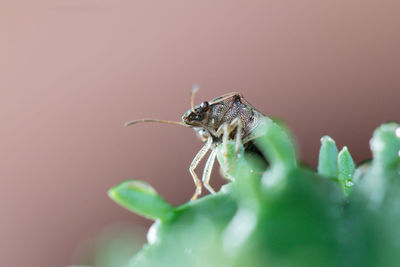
column 281, row 213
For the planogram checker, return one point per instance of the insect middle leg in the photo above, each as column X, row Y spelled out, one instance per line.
column 194, row 164
column 207, row 171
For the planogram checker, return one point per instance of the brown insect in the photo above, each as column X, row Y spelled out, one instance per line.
column 228, row 117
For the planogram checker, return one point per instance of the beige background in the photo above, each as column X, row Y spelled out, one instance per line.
column 73, row 71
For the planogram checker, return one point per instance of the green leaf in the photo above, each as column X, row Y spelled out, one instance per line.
column 328, row 154
column 244, row 169
column 346, row 170
column 384, row 174
column 385, row 146
column 141, row 198
column 275, row 142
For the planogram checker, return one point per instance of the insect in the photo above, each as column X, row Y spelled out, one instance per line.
column 228, row 117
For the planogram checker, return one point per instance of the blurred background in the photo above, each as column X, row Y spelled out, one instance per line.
column 73, row 71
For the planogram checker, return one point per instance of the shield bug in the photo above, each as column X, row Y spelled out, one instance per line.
column 228, row 117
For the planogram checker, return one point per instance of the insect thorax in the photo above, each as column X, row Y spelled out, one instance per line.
column 226, row 112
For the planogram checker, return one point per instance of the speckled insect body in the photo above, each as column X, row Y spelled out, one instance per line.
column 231, row 109
column 228, row 117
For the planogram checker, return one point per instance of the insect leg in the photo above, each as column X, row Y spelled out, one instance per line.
column 207, row 171
column 237, row 123
column 224, row 131
column 194, row 164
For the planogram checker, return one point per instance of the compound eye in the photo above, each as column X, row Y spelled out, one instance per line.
column 204, row 105
column 200, row 117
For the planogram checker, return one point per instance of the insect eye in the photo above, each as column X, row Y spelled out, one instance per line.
column 197, row 117
column 204, row 105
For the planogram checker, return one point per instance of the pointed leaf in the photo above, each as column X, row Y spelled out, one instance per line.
column 141, row 198
column 327, row 163
column 346, row 170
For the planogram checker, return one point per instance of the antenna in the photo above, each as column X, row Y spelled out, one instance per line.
column 129, row 123
column 192, row 92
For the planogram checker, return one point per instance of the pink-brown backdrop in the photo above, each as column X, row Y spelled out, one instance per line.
column 72, row 72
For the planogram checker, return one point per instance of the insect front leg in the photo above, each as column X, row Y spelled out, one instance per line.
column 194, row 164
column 207, row 171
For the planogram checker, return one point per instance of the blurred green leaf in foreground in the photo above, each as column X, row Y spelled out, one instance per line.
column 281, row 213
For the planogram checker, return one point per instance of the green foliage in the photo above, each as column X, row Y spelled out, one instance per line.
column 328, row 154
column 141, row 198
column 346, row 168
column 281, row 214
